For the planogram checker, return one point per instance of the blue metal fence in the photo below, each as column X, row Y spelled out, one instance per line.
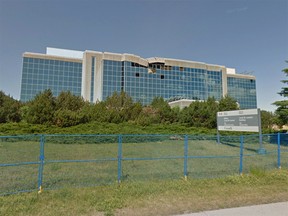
column 37, row 162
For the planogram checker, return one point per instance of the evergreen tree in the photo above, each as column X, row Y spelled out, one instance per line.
column 69, row 110
column 42, row 108
column 9, row 109
column 282, row 110
column 119, row 107
column 97, row 112
column 200, row 113
column 228, row 103
column 165, row 113
column 268, row 119
column 212, row 108
column 66, row 100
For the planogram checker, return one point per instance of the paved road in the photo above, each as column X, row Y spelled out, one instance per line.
column 274, row 209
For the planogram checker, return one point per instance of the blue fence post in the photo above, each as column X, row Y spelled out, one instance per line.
column 119, row 158
column 41, row 164
column 218, row 137
column 185, row 156
column 241, row 155
column 279, row 150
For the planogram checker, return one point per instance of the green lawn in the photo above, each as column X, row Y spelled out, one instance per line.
column 77, row 161
column 141, row 198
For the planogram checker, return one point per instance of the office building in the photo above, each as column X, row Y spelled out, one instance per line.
column 97, row 75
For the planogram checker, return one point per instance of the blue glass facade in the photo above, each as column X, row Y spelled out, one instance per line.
column 112, row 77
column 138, row 83
column 171, row 83
column 41, row 74
column 142, row 79
column 243, row 90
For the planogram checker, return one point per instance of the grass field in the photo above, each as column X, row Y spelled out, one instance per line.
column 82, row 161
column 165, row 197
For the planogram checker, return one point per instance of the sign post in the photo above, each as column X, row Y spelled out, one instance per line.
column 241, row 120
column 261, row 150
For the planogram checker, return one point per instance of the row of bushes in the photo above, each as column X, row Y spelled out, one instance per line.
column 68, row 110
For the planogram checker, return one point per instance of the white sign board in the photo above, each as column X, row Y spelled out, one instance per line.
column 239, row 120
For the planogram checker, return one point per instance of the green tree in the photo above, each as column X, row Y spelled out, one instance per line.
column 268, row 119
column 212, row 107
column 228, row 103
column 148, row 116
column 24, row 110
column 97, row 112
column 69, row 110
column 136, row 109
column 282, row 106
column 200, row 114
column 163, row 110
column 41, row 108
column 67, row 118
column 194, row 114
column 176, row 112
column 119, row 107
column 9, row 109
column 66, row 100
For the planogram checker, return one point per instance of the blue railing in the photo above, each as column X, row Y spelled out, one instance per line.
column 37, row 162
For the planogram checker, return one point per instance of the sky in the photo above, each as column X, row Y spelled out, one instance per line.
column 248, row 35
